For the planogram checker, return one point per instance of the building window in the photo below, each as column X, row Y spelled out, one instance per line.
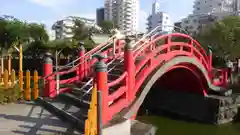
column 186, row 21
column 198, row 8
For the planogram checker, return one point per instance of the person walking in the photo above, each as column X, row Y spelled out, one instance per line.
column 230, row 70
column 238, row 66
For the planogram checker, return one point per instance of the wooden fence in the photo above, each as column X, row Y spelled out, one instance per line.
column 91, row 122
column 10, row 80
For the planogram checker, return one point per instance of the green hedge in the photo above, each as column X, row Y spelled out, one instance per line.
column 10, row 95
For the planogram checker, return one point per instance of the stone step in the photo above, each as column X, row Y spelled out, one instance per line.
column 64, row 111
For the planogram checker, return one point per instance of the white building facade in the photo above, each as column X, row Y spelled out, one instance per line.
column 159, row 19
column 209, row 6
column 124, row 14
column 207, row 12
column 63, row 28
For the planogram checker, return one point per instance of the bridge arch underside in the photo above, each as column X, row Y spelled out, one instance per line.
column 179, row 79
column 183, row 77
column 182, row 74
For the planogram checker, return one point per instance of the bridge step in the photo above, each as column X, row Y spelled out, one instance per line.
column 65, row 112
column 74, row 100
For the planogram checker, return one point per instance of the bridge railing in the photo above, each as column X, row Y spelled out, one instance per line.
column 112, row 49
column 168, row 38
column 220, row 77
column 140, row 59
column 137, row 69
column 80, row 70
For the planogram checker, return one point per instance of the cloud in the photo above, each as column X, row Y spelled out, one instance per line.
column 54, row 4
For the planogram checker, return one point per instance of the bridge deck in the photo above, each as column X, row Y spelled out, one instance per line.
column 30, row 119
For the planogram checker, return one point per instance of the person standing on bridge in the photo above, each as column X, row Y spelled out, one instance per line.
column 238, row 66
column 230, row 70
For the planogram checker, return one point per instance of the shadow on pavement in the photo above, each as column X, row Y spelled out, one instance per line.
column 30, row 119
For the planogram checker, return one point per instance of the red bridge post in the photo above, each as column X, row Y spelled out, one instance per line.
column 49, row 82
column 81, row 71
column 129, row 64
column 101, row 79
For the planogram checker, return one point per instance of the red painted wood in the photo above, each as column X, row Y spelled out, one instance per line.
column 80, row 73
column 117, row 94
column 130, row 68
column 135, row 75
column 101, row 81
column 49, row 86
column 117, row 81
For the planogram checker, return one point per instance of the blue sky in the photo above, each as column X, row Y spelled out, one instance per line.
column 48, row 11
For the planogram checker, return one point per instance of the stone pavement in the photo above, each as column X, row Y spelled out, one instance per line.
column 29, row 119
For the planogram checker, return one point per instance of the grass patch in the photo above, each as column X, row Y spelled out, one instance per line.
column 10, row 95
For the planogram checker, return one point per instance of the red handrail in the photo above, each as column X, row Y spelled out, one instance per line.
column 172, row 42
column 118, row 80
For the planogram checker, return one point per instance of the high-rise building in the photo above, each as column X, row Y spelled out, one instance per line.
column 123, row 13
column 159, row 19
column 100, row 15
column 177, row 26
column 207, row 12
column 155, row 7
column 211, row 6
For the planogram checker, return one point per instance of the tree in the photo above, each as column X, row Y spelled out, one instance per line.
column 107, row 26
column 80, row 31
column 223, row 36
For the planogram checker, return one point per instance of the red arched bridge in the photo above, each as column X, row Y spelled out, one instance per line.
column 124, row 71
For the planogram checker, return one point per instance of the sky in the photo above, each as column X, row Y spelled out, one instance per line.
column 48, row 11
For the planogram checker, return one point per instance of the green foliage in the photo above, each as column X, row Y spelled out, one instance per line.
column 10, row 95
column 88, row 44
column 223, row 36
column 80, row 31
column 106, row 26
column 35, row 40
column 14, row 32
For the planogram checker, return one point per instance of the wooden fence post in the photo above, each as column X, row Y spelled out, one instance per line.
column 20, row 77
column 5, row 79
column 9, row 63
column 28, row 89
column 91, row 121
column 13, row 78
column 35, row 86
column 86, row 132
column 1, row 76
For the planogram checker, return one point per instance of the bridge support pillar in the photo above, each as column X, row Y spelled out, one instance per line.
column 129, row 64
column 80, row 72
column 49, row 85
column 101, row 80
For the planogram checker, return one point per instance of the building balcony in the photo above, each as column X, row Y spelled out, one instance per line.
column 128, row 9
column 128, row 13
column 129, row 1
